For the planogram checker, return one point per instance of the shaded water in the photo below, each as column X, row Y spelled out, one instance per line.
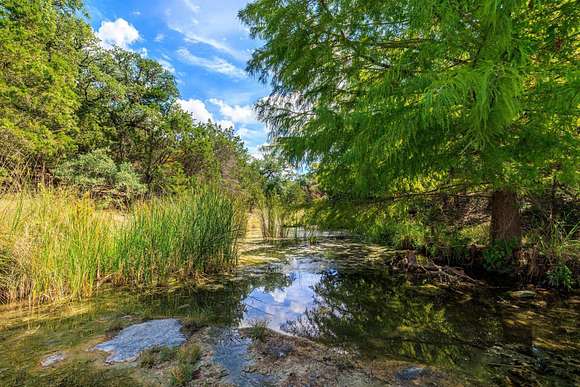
column 344, row 295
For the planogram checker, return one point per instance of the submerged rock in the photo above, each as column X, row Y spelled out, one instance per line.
column 410, row 373
column 523, row 295
column 52, row 359
column 131, row 341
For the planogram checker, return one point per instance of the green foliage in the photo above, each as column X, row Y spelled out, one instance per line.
column 498, row 256
column 211, row 154
column 138, row 118
column 41, row 45
column 383, row 223
column 129, row 105
column 476, row 234
column 388, row 97
column 448, row 244
column 560, row 277
column 63, row 96
column 97, row 173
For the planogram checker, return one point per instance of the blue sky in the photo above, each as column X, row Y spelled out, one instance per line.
column 203, row 43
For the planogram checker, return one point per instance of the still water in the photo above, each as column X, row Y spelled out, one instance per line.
column 345, row 295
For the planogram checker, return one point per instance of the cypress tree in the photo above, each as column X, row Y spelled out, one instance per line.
column 41, row 45
column 386, row 96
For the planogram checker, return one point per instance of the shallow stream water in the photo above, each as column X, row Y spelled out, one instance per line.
column 340, row 293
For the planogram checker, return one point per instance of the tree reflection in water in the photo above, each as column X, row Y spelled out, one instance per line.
column 378, row 314
column 334, row 294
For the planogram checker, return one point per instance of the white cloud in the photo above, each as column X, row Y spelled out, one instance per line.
column 216, row 65
column 167, row 65
column 226, row 124
column 194, row 38
column 256, row 151
column 236, row 113
column 244, row 132
column 117, row 33
column 192, row 7
column 196, row 108
column 210, row 22
column 248, row 134
column 159, row 37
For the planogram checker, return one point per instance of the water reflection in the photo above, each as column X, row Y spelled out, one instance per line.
column 282, row 305
column 343, row 295
column 342, row 299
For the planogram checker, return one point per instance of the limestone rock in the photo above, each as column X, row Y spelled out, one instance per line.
column 52, row 359
column 131, row 341
column 410, row 373
column 523, row 295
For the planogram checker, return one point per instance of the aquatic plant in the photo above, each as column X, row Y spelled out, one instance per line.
column 55, row 244
column 190, row 325
column 77, row 373
column 178, row 237
column 258, row 330
column 560, row 277
column 184, row 371
column 156, row 355
column 148, row 358
column 272, row 217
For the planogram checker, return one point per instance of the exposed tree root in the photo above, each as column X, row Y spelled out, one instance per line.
column 447, row 275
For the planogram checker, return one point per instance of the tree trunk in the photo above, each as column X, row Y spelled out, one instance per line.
column 505, row 217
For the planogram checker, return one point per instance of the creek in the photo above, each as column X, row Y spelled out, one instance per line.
column 340, row 293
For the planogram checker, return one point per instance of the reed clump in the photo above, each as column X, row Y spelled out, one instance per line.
column 178, row 237
column 55, row 244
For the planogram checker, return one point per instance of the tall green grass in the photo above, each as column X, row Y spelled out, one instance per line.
column 178, row 237
column 272, row 218
column 55, row 245
column 280, row 220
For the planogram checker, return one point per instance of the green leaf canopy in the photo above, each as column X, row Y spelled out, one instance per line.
column 389, row 95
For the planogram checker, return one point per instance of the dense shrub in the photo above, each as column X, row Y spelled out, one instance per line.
column 560, row 277
column 97, row 174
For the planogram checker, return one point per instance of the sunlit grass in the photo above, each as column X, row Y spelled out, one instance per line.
column 258, row 330
column 272, row 217
column 55, row 245
column 185, row 370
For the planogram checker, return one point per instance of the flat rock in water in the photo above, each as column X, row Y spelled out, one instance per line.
column 131, row 341
column 523, row 294
column 52, row 359
column 410, row 373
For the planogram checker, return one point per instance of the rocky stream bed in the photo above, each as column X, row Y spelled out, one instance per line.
column 331, row 313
